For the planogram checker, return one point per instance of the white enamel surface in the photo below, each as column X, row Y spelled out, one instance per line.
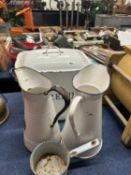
column 39, row 109
column 95, row 75
column 32, row 81
column 53, row 60
column 39, row 112
column 84, row 120
column 56, row 67
column 85, row 147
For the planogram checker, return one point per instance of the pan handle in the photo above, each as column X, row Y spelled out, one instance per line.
column 85, row 147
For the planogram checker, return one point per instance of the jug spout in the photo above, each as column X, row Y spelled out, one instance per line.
column 32, row 81
column 92, row 80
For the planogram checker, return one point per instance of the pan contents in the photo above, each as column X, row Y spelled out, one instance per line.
column 50, row 165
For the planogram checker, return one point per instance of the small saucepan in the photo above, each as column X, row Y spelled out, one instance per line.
column 49, row 148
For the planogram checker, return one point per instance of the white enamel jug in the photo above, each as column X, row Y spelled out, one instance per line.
column 39, row 111
column 84, row 120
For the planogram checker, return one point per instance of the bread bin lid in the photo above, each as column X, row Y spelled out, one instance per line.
column 53, row 60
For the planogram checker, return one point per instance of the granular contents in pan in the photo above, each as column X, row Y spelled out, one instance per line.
column 50, row 165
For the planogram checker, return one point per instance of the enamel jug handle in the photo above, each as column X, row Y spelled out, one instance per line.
column 66, row 98
column 72, row 110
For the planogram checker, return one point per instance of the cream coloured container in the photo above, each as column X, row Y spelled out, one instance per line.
column 59, row 65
